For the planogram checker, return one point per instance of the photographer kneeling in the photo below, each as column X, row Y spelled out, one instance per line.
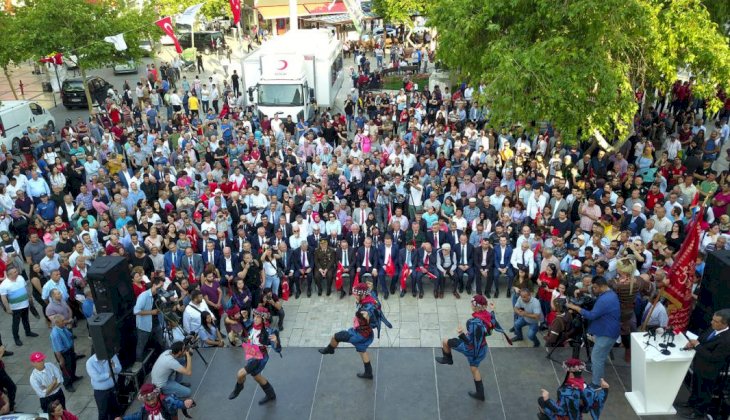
column 167, row 365
column 273, row 304
column 605, row 325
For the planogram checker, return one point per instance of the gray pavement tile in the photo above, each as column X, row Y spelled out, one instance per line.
column 409, row 342
column 409, row 330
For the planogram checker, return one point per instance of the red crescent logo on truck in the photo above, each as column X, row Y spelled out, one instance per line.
column 284, row 64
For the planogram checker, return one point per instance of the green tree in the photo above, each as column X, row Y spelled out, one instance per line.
column 11, row 49
column 400, row 12
column 211, row 8
column 84, row 26
column 577, row 63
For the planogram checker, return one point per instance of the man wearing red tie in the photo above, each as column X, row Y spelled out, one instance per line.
column 387, row 266
column 367, row 260
column 425, row 268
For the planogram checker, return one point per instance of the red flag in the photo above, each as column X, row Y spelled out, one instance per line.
column 236, row 10
column 390, row 267
column 681, row 273
column 695, row 200
column 166, row 25
column 390, row 213
column 173, row 272
column 538, row 216
column 338, row 276
column 357, row 280
column 403, row 276
column 285, row 289
column 56, row 59
column 191, row 275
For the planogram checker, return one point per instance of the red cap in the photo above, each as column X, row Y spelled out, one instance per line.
column 37, row 357
column 555, row 232
column 480, row 300
column 147, row 389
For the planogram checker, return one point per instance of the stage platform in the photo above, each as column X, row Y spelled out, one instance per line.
column 408, row 384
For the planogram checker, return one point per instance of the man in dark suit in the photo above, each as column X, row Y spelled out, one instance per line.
column 484, row 266
column 407, row 256
column 366, row 261
column 346, row 257
column 203, row 241
column 314, row 238
column 425, row 265
column 502, row 266
column 399, row 238
column 634, row 221
column 437, row 237
column 464, row 263
column 278, row 238
column 235, row 209
column 268, row 226
column 302, row 265
column 228, row 265
column 258, row 241
column 334, row 240
column 355, row 238
column 173, row 257
column 286, row 228
column 376, row 236
column 711, row 357
column 387, row 251
column 193, row 260
column 238, row 241
column 211, row 255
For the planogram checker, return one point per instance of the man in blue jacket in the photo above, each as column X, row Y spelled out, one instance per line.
column 605, row 325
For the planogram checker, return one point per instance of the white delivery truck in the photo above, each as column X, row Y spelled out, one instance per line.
column 18, row 116
column 293, row 73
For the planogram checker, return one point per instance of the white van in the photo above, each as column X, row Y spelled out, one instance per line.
column 17, row 116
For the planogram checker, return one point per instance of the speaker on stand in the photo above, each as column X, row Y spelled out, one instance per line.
column 714, row 291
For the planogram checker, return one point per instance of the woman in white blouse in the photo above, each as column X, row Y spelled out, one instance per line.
column 58, row 179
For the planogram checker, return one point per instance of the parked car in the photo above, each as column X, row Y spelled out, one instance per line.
column 389, row 30
column 73, row 95
column 130, row 67
column 202, row 40
column 19, row 116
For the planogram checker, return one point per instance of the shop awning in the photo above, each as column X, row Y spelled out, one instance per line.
column 279, row 9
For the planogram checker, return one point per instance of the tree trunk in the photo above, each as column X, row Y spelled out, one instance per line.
column 89, row 101
column 10, row 82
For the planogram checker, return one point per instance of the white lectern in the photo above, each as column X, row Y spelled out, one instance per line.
column 655, row 377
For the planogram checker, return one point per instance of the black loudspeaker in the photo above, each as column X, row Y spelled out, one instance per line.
column 104, row 335
column 714, row 291
column 111, row 285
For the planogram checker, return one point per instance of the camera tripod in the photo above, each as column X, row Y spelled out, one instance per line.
column 169, row 334
column 576, row 344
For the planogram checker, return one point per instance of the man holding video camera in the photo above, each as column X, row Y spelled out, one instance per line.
column 149, row 319
column 167, row 372
column 604, row 324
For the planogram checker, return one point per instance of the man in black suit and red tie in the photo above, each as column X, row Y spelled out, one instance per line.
column 346, row 257
column 367, row 260
column 712, row 356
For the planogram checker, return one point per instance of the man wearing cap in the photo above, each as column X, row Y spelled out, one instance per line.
column 471, row 342
column 361, row 335
column 156, row 405
column 573, row 397
column 324, row 265
column 46, row 208
column 46, row 380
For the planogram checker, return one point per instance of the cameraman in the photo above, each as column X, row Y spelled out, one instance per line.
column 167, row 365
column 148, row 318
column 273, row 304
column 605, row 325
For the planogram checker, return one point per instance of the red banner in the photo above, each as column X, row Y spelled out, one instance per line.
column 173, row 273
column 285, row 292
column 56, row 59
column 681, row 273
column 166, row 25
column 191, row 275
column 236, row 10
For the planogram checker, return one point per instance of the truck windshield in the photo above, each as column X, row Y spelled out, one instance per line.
column 281, row 95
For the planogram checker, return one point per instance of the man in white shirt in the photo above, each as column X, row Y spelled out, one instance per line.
column 662, row 224
column 46, row 380
column 191, row 315
column 536, row 202
column 524, row 256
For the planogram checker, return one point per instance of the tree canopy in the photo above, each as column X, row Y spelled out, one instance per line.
column 578, row 63
column 398, row 11
column 11, row 49
column 211, row 8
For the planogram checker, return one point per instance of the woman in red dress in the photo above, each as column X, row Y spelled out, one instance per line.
column 547, row 282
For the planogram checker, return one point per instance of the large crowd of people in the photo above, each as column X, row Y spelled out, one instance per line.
column 234, row 213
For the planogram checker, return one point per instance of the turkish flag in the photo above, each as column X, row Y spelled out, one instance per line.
column 236, row 10
column 403, row 276
column 191, row 275
column 173, row 272
column 390, row 267
column 166, row 25
column 357, row 280
column 338, row 276
column 285, row 293
column 56, row 59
